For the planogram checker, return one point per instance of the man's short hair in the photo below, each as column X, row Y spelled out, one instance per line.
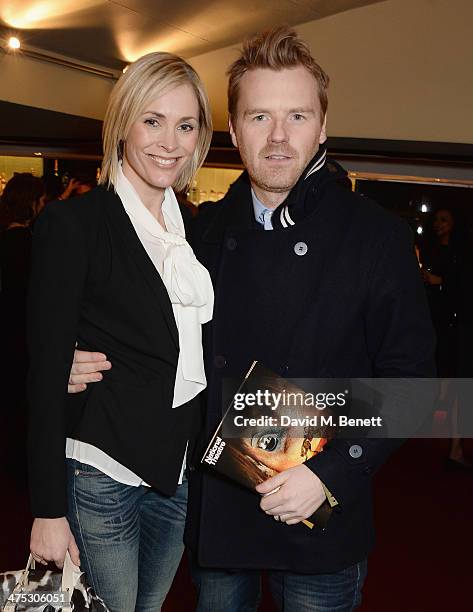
column 276, row 49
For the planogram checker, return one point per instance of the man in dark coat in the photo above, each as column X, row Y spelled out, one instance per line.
column 331, row 290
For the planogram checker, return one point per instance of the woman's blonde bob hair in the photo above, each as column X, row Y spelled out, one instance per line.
column 149, row 77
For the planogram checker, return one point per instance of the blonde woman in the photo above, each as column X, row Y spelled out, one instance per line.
column 112, row 271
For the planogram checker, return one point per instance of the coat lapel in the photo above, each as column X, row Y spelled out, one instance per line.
column 126, row 232
column 235, row 213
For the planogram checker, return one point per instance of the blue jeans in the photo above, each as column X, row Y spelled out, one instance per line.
column 240, row 591
column 130, row 538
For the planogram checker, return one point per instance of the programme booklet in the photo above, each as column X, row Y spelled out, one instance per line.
column 266, row 429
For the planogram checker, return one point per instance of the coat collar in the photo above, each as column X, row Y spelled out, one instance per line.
column 126, row 232
column 235, row 211
column 304, row 196
column 236, row 208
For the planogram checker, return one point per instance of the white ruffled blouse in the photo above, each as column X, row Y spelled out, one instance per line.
column 190, row 290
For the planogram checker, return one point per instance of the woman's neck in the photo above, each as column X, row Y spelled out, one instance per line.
column 151, row 197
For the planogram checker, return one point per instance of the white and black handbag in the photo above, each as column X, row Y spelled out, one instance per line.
column 38, row 589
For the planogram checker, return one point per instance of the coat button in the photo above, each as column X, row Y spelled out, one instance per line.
column 355, row 451
column 220, row 361
column 300, row 248
column 231, row 244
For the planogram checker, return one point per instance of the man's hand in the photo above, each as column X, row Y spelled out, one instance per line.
column 299, row 493
column 71, row 185
column 431, row 279
column 86, row 368
column 51, row 539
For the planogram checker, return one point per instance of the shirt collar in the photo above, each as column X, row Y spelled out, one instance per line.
column 137, row 210
column 259, row 208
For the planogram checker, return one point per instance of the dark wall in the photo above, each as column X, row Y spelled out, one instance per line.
column 25, row 125
column 406, row 199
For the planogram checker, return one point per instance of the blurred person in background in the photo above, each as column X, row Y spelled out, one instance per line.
column 80, row 182
column 21, row 201
column 54, row 187
column 446, row 267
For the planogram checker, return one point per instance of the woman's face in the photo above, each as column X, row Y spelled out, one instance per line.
column 443, row 223
column 162, row 141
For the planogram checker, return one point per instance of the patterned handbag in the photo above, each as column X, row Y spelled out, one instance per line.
column 37, row 589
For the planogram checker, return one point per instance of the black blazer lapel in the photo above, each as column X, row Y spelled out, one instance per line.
column 119, row 219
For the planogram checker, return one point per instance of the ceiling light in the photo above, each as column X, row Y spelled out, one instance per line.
column 14, row 43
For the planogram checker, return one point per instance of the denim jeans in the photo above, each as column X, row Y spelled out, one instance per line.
column 240, row 591
column 130, row 538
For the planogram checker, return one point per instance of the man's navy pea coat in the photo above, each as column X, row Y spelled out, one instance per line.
column 353, row 305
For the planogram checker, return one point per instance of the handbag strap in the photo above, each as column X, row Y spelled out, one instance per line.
column 10, row 606
column 24, row 577
column 70, row 575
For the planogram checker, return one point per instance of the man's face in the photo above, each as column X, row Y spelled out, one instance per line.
column 443, row 224
column 278, row 128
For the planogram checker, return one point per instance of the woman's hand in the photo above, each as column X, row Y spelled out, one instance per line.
column 51, row 539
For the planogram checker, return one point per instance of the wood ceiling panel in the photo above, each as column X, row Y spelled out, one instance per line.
column 110, row 32
column 223, row 22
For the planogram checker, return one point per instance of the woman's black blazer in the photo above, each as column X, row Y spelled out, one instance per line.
column 93, row 283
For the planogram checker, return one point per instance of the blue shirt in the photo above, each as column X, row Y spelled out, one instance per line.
column 262, row 214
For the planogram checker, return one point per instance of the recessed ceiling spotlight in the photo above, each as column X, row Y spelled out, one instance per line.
column 14, row 42
column 37, row 153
